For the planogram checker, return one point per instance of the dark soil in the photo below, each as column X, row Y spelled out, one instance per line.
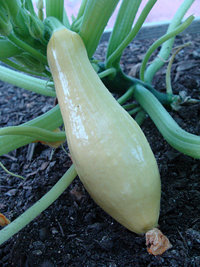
column 74, row 231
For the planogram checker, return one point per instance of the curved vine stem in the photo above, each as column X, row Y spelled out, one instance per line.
column 49, row 121
column 108, row 72
column 178, row 138
column 10, row 173
column 160, row 41
column 35, row 132
column 42, row 204
column 26, row 82
column 169, row 89
column 167, row 46
column 126, row 96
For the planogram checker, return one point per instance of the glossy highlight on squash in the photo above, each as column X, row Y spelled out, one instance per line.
column 109, row 150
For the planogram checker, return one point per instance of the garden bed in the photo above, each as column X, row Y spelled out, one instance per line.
column 74, row 231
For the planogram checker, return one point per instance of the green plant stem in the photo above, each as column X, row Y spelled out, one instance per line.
column 95, row 18
column 178, row 138
column 54, row 8
column 76, row 24
column 133, row 111
column 42, row 204
column 126, row 96
column 108, row 72
column 26, row 82
column 130, row 106
column 24, row 46
column 52, row 24
column 122, row 27
column 66, row 22
column 51, row 120
column 169, row 89
column 10, row 173
column 122, row 82
column 117, row 53
column 35, row 132
column 167, row 46
column 81, row 9
column 140, row 117
column 160, row 41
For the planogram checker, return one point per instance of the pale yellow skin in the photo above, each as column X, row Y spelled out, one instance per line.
column 109, row 150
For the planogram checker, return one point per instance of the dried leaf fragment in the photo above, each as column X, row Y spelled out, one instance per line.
column 157, row 243
column 76, row 192
column 3, row 220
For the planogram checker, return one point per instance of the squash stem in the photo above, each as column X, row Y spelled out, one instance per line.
column 126, row 96
column 66, row 22
column 122, row 82
column 42, row 204
column 108, row 72
column 130, row 106
column 131, row 35
column 160, row 41
column 51, row 120
column 165, row 50
column 122, row 27
column 26, row 82
column 133, row 111
column 140, row 117
column 35, row 132
column 54, row 8
column 95, row 18
column 81, row 9
column 178, row 138
column 52, row 24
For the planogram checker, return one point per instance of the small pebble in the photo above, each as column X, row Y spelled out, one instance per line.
column 54, row 230
column 37, row 252
column 106, row 243
column 11, row 192
column 38, row 245
column 43, row 233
